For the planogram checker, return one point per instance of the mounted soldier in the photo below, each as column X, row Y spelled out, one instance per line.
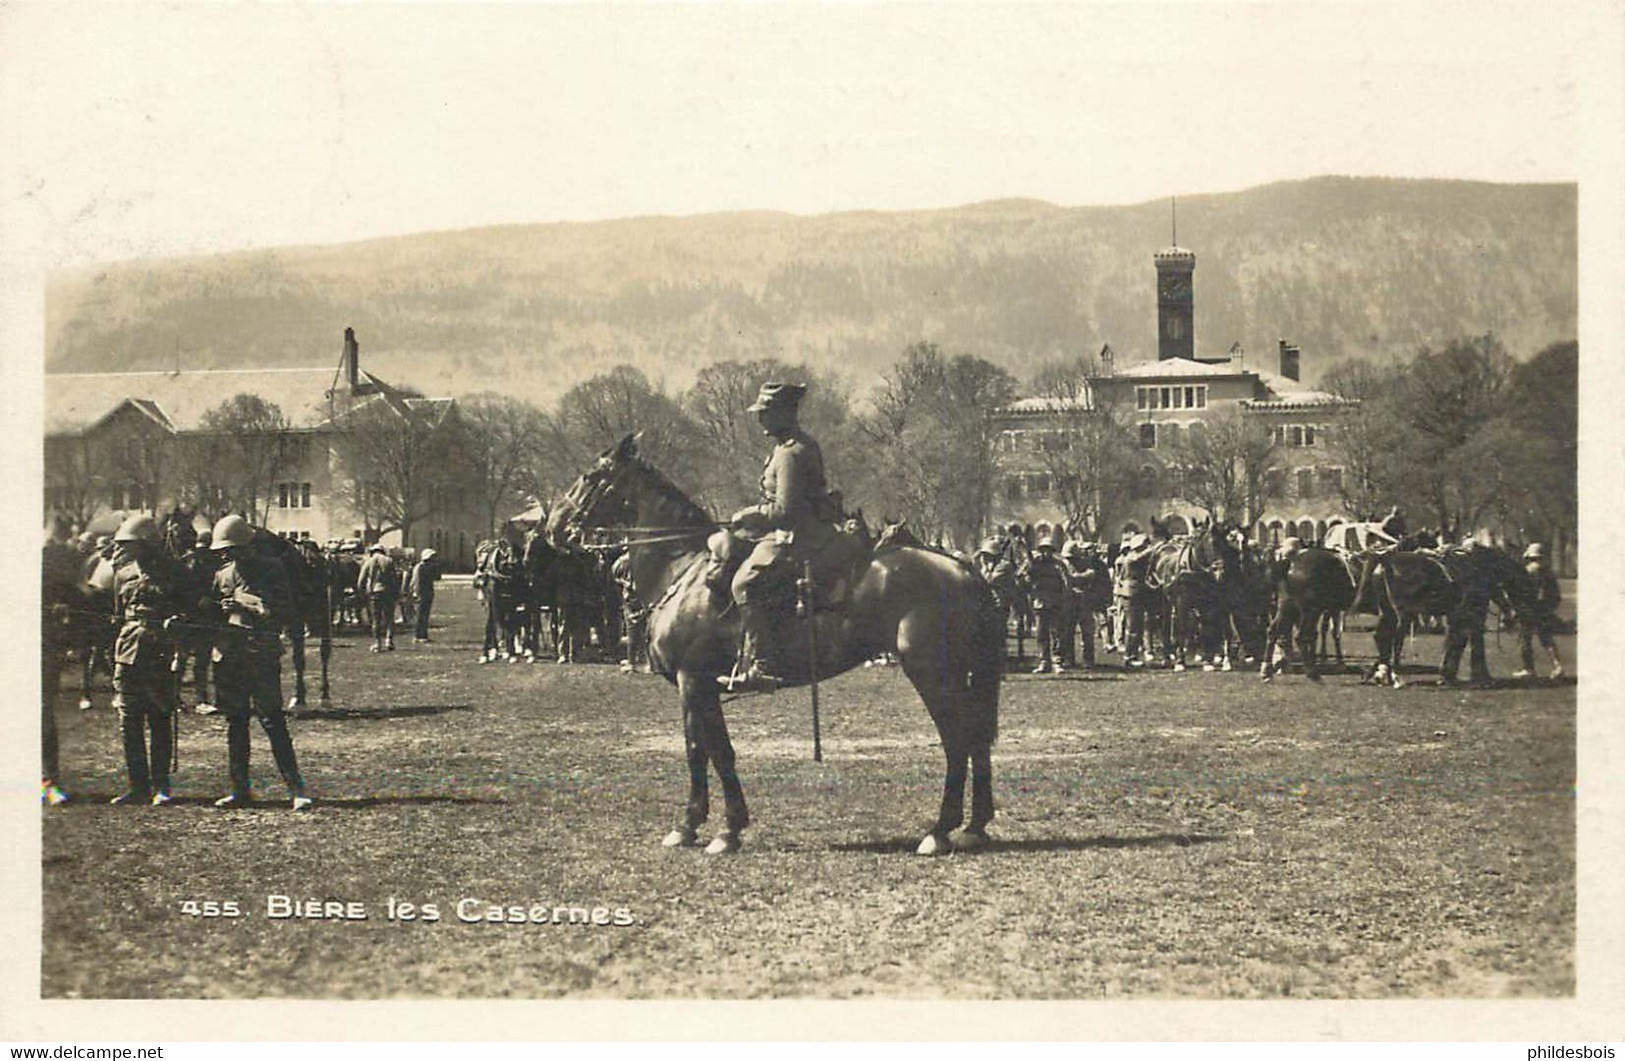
column 794, row 522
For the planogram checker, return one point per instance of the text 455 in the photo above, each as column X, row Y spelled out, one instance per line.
column 211, row 908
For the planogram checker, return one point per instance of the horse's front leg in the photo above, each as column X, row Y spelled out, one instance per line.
column 702, row 700
column 699, row 790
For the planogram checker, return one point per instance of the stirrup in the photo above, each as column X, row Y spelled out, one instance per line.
column 753, row 680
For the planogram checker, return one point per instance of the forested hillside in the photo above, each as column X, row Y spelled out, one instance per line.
column 1370, row 268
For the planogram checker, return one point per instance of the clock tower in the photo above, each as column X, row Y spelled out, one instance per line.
column 1175, row 336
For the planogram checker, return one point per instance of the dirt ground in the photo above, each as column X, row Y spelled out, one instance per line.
column 1159, row 835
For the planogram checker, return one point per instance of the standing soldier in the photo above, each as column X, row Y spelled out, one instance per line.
column 634, row 617
column 377, row 582
column 1542, row 619
column 1130, row 590
column 59, row 598
column 1051, row 592
column 145, row 585
column 200, row 564
column 251, row 593
column 421, row 585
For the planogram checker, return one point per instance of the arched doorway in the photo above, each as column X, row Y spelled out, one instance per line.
column 1177, row 525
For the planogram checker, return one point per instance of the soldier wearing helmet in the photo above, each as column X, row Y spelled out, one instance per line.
column 1541, row 619
column 634, row 617
column 1051, row 591
column 60, row 599
column 795, row 520
column 251, row 601
column 146, row 586
column 198, row 567
column 1133, row 595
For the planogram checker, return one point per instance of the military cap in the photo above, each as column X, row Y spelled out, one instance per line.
column 778, row 396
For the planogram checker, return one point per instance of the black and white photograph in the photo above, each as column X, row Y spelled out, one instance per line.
column 1069, row 503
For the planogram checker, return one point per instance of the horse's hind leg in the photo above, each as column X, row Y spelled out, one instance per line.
column 948, row 709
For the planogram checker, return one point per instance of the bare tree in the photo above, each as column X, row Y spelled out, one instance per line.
column 396, row 455
column 233, row 462
column 503, row 437
column 1221, row 465
column 1087, row 449
column 73, row 479
column 928, row 445
column 595, row 414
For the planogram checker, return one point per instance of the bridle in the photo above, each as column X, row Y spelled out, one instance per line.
column 588, row 494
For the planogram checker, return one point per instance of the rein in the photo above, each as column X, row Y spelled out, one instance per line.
column 628, row 536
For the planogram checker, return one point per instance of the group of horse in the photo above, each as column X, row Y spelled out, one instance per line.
column 543, row 599
column 1215, row 596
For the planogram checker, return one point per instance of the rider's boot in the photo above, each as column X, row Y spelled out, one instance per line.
column 757, row 669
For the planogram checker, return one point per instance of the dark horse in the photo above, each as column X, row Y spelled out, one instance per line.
column 311, row 582
column 1458, row 583
column 1191, row 573
column 934, row 613
column 1313, row 583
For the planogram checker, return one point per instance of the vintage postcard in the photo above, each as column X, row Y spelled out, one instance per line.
column 1097, row 511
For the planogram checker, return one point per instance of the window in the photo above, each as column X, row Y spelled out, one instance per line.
column 1166, row 397
column 304, row 497
column 1041, row 485
column 1012, row 488
column 281, row 495
column 1275, row 483
column 1306, row 482
column 1148, row 436
column 1295, row 435
column 1191, row 397
column 292, row 495
column 1142, row 397
column 1331, row 481
column 1309, row 434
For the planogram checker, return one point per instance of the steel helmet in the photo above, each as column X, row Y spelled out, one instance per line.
column 1045, row 543
column 231, row 531
column 101, row 576
column 138, row 528
column 990, row 547
column 427, row 554
column 1072, row 548
column 1534, row 552
column 1138, row 541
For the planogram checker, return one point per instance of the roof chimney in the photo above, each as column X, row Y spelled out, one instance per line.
column 1289, row 360
column 1238, row 355
column 1108, row 360
column 352, row 360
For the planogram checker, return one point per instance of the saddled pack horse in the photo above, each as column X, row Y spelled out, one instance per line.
column 1458, row 583
column 1313, row 583
column 1188, row 572
column 934, row 613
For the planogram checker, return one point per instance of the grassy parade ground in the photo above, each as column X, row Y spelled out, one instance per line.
column 494, row 832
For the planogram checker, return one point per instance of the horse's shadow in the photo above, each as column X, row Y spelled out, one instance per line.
column 905, row 845
column 100, row 799
column 345, row 714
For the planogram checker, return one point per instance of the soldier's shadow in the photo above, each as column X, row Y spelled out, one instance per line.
column 346, row 714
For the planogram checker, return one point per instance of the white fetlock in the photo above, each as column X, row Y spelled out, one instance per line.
column 1208, row 668
column 933, row 845
column 1178, row 667
column 295, row 702
column 1226, row 667
column 723, row 844
column 681, row 838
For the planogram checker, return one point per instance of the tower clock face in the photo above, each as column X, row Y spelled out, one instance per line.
column 1176, row 288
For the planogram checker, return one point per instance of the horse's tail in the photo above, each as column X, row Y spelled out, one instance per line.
column 986, row 667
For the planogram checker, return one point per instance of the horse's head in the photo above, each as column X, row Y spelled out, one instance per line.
column 595, row 500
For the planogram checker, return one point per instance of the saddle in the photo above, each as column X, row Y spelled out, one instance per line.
column 837, row 564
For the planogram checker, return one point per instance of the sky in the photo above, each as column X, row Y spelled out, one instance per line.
column 144, row 130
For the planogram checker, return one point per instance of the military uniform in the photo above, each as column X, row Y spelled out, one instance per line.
column 58, row 599
column 1541, row 622
column 793, row 518
column 1051, row 592
column 634, row 617
column 377, row 581
column 421, row 586
column 1130, row 590
column 199, row 567
column 145, row 596
column 252, row 592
